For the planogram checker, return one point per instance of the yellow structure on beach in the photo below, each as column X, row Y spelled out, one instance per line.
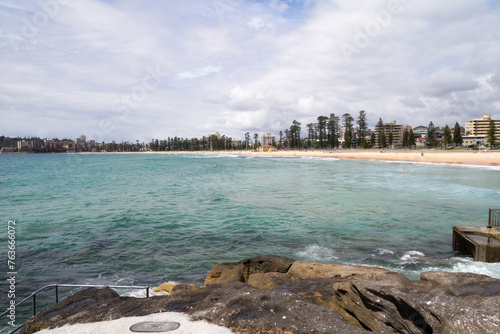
column 267, row 148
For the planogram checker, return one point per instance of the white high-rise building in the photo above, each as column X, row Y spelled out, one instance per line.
column 267, row 139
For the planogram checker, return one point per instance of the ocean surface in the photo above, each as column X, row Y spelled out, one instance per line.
column 144, row 219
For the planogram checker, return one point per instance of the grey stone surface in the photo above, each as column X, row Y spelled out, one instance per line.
column 269, row 294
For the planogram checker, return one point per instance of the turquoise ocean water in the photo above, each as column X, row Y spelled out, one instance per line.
column 143, row 219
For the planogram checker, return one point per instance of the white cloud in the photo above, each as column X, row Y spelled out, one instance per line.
column 198, row 72
column 234, row 66
column 412, row 102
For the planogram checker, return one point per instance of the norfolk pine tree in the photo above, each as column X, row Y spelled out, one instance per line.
column 382, row 141
column 457, row 135
column 348, row 130
column 405, row 138
column 333, row 128
column 362, row 127
column 431, row 135
column 322, row 131
column 411, row 139
column 447, row 136
column 492, row 139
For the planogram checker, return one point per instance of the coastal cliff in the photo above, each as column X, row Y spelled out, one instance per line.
column 272, row 294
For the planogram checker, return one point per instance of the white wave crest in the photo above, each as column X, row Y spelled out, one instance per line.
column 317, row 253
column 411, row 256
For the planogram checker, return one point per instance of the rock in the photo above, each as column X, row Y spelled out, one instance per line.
column 268, row 280
column 419, row 307
column 237, row 305
column 225, row 273
column 240, row 272
column 245, row 309
column 171, row 287
column 266, row 264
column 270, row 294
column 316, row 270
column 63, row 312
column 456, row 280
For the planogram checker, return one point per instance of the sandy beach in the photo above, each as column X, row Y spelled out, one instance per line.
column 479, row 157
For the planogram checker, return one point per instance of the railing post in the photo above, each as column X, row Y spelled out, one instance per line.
column 489, row 220
column 147, row 292
column 34, row 304
column 57, row 295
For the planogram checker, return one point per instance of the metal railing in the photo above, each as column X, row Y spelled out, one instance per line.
column 494, row 218
column 57, row 286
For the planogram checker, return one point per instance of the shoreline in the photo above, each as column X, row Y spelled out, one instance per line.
column 470, row 157
column 485, row 157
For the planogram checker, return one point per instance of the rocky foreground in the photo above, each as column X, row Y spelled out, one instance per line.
column 271, row 294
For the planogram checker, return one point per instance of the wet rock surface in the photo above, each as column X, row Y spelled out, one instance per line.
column 270, row 294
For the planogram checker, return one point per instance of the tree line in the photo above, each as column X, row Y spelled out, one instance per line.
column 328, row 132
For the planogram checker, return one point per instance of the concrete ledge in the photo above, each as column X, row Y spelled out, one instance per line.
column 482, row 243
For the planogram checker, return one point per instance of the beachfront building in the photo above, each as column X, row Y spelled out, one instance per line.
column 397, row 131
column 479, row 127
column 267, row 139
column 476, row 141
column 266, row 148
column 31, row 144
column 81, row 140
column 235, row 143
column 420, row 131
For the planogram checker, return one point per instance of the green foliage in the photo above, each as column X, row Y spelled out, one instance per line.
column 362, row 128
column 491, row 137
column 431, row 140
column 411, row 139
column 322, row 131
column 405, row 138
column 457, row 135
column 447, row 139
column 381, row 133
column 348, row 130
column 294, row 134
column 334, row 129
column 383, row 140
column 247, row 140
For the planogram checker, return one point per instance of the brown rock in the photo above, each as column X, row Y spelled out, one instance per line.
column 265, row 264
column 316, row 270
column 268, row 280
column 236, row 305
column 240, row 272
column 170, row 287
column 225, row 273
column 306, row 297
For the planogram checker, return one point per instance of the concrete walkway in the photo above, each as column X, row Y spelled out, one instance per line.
column 122, row 326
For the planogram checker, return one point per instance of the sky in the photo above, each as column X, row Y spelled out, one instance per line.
column 130, row 70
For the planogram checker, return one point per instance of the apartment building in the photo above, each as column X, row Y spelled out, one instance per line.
column 479, row 127
column 267, row 139
column 397, row 131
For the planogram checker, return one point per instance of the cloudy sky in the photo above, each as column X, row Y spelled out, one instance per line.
column 142, row 69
